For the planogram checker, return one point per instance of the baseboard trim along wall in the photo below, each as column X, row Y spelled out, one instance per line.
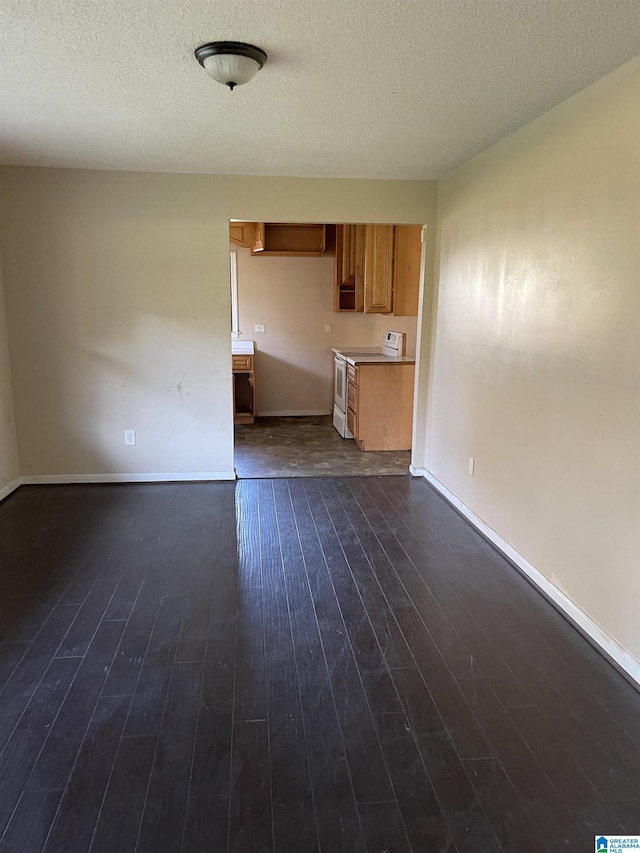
column 592, row 631
column 294, row 413
column 14, row 484
column 183, row 477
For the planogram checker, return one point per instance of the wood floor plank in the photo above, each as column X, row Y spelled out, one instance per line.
column 20, row 753
column 568, row 779
column 423, row 818
column 10, row 656
column 163, row 818
column 320, row 586
column 79, row 636
column 250, row 698
column 250, row 809
column 123, row 674
column 21, row 684
column 369, row 774
column 626, row 812
column 383, row 828
column 126, row 592
column 366, row 648
column 338, row 821
column 205, row 825
column 513, row 827
column 248, row 520
column 305, row 635
column 55, row 762
column 31, row 822
column 80, row 805
column 464, row 730
column 119, row 819
column 278, row 642
column 148, row 701
column 543, row 802
column 451, row 783
column 224, row 600
column 195, row 622
column 294, row 825
column 627, row 716
column 212, row 752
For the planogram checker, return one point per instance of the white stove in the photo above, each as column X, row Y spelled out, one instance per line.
column 392, row 349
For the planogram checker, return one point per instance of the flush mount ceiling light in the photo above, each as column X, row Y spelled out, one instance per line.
column 231, row 63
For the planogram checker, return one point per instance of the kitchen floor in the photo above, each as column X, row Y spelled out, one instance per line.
column 307, row 447
column 293, row 666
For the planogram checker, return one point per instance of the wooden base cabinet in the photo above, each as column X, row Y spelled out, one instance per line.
column 380, row 405
column 243, row 389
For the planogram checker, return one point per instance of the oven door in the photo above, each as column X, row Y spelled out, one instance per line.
column 340, row 383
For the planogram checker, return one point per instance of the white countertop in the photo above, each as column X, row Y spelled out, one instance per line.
column 370, row 355
column 346, row 351
column 377, row 358
column 242, row 347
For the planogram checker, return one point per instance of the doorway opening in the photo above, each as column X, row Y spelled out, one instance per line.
column 303, row 295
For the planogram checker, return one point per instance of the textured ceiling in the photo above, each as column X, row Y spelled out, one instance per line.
column 357, row 88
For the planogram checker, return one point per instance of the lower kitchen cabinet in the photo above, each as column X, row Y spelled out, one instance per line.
column 380, row 405
column 243, row 389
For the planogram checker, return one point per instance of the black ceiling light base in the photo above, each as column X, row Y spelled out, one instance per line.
column 239, row 48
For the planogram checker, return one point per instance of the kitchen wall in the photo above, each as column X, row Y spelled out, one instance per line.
column 117, row 289
column 293, row 297
column 9, row 467
column 536, row 360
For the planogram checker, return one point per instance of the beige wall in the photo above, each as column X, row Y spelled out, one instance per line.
column 536, row 359
column 9, row 467
column 117, row 288
column 293, row 297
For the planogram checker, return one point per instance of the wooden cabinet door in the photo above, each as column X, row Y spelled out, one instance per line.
column 241, row 233
column 406, row 270
column 378, row 269
column 349, row 269
column 258, row 237
column 345, row 274
column 357, row 262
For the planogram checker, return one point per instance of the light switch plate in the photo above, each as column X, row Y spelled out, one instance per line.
column 260, row 329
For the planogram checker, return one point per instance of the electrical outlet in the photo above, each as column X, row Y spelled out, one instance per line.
column 129, row 436
column 472, row 466
column 327, row 328
column 260, row 329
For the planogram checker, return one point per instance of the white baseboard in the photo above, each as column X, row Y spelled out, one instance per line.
column 294, row 413
column 182, row 477
column 14, row 484
column 590, row 628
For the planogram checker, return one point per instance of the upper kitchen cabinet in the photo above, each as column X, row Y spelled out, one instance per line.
column 406, row 269
column 349, row 291
column 281, row 238
column 241, row 233
column 377, row 269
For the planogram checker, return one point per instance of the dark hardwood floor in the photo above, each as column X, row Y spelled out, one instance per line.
column 293, row 666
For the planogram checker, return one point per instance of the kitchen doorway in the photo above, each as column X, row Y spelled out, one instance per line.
column 300, row 291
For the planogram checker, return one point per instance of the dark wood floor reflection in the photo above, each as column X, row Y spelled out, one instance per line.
column 308, row 447
column 292, row 666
